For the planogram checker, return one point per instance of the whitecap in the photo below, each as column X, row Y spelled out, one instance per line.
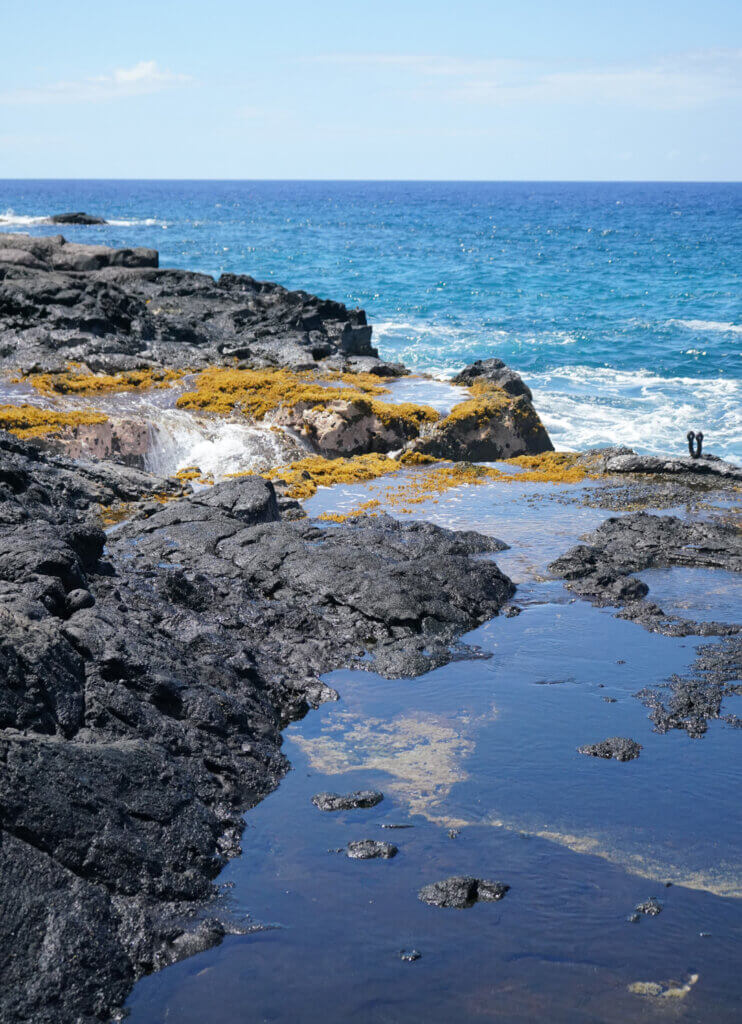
column 722, row 327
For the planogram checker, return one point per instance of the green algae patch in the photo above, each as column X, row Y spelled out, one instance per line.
column 76, row 381
column 26, row 421
column 257, row 393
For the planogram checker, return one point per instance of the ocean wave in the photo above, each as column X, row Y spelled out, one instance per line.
column 25, row 220
column 585, row 406
column 21, row 220
column 706, row 325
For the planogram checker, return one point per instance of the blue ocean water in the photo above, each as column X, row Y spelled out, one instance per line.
column 620, row 303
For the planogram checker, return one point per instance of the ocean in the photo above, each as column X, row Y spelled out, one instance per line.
column 620, row 304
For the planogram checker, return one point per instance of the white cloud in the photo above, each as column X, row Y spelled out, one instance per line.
column 670, row 83
column 140, row 80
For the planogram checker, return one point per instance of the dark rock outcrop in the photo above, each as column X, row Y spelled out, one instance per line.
column 495, row 372
column 602, row 570
column 362, row 798
column 618, row 748
column 144, row 681
column 690, row 701
column 462, row 891
column 113, row 310
column 76, row 218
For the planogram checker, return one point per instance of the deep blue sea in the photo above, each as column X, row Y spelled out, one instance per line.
column 621, row 304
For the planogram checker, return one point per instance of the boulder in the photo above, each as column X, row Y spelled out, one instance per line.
column 348, row 801
column 76, row 218
column 462, row 891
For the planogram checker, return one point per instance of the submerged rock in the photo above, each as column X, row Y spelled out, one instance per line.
column 347, row 802
column 461, row 891
column 650, row 908
column 145, row 677
column 618, row 748
column 370, row 849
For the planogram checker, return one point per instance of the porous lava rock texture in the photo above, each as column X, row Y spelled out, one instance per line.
column 145, row 676
column 116, row 309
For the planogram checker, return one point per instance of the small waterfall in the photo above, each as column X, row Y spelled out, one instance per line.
column 217, row 446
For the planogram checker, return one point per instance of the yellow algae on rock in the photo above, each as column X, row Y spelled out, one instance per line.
column 31, row 421
column 306, row 475
column 257, row 393
column 341, row 517
column 75, row 381
column 549, row 467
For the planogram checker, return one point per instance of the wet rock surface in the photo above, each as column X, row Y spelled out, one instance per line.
column 370, row 849
column 115, row 309
column 617, row 748
column 495, row 372
column 144, row 680
column 602, row 570
column 690, row 701
column 84, row 219
column 462, row 891
column 363, row 798
column 650, row 908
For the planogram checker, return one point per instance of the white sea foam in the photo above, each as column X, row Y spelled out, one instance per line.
column 718, row 326
column 584, row 406
column 20, row 220
column 217, row 447
column 11, row 218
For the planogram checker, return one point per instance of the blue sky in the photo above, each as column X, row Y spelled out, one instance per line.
column 468, row 90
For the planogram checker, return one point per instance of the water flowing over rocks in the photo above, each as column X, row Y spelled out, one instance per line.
column 145, row 678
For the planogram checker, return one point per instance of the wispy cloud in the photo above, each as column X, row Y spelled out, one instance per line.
column 670, row 83
column 140, row 80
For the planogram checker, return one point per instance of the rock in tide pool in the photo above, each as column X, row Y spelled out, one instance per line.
column 619, row 748
column 370, row 849
column 651, row 907
column 461, row 891
column 347, row 801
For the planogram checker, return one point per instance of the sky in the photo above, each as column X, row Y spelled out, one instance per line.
column 389, row 89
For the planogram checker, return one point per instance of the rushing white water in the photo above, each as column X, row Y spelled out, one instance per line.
column 218, row 447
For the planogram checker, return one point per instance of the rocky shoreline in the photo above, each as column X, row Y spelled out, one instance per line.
column 148, row 672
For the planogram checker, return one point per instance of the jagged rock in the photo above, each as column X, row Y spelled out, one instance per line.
column 370, row 849
column 689, row 702
column 619, row 748
column 145, row 677
column 602, row 569
column 461, row 891
column 348, row 801
column 497, row 373
column 113, row 310
column 705, row 465
column 76, row 218
column 491, row 424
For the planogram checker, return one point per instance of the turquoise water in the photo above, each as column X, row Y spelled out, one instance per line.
column 620, row 303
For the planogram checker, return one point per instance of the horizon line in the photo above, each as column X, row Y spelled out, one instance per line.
column 415, row 181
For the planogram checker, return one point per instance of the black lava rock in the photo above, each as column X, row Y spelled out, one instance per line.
column 461, row 891
column 371, row 849
column 76, row 218
column 619, row 748
column 348, row 801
